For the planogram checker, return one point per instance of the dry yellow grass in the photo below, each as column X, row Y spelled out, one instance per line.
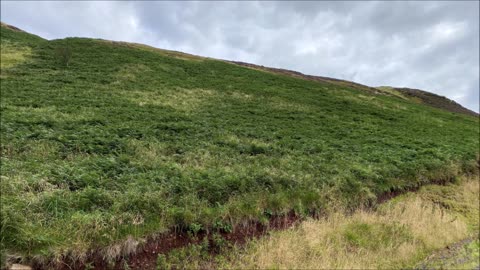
column 396, row 235
column 184, row 100
column 12, row 55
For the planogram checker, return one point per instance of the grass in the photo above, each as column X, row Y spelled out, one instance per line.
column 127, row 141
column 424, row 97
column 396, row 235
column 13, row 55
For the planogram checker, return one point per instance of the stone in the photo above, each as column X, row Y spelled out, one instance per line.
column 16, row 266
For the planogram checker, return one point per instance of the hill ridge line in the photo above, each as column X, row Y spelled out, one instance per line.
column 447, row 104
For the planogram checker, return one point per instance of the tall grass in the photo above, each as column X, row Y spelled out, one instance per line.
column 129, row 141
column 396, row 235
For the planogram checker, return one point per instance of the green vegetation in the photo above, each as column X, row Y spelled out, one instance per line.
column 123, row 141
column 396, row 235
column 375, row 236
column 64, row 55
column 427, row 98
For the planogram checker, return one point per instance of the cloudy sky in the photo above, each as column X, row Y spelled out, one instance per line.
column 426, row 45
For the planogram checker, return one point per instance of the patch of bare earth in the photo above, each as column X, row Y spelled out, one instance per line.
column 146, row 255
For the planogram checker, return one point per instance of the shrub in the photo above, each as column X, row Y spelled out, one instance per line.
column 64, row 55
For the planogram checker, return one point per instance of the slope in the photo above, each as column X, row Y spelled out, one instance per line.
column 415, row 95
column 431, row 99
column 128, row 141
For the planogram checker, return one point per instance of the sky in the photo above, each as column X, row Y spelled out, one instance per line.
column 417, row 44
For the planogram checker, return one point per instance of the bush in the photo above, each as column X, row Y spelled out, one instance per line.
column 64, row 55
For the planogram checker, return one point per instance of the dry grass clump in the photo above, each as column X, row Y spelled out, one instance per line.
column 396, row 235
column 185, row 100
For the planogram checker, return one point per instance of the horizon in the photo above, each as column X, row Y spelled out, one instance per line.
column 450, row 44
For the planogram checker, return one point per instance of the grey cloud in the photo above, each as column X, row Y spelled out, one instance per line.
column 428, row 45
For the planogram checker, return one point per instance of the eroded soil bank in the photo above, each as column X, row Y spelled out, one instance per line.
column 256, row 244
column 398, row 234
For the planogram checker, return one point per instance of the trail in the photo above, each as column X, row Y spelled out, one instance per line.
column 461, row 255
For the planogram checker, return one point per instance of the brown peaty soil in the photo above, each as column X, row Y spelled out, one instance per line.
column 145, row 256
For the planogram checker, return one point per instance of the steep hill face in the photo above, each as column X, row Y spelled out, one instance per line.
column 106, row 143
column 431, row 99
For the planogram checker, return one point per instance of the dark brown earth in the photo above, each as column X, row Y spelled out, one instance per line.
column 146, row 255
column 394, row 193
column 11, row 27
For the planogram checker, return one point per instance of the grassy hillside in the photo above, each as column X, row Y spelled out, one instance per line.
column 125, row 141
column 428, row 98
column 396, row 235
column 414, row 95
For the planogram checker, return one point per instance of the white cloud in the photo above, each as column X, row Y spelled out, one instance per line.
column 448, row 31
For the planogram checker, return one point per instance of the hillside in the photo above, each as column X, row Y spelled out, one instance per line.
column 396, row 234
column 431, row 99
column 415, row 95
column 105, row 144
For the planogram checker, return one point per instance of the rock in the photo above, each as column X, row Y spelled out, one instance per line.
column 16, row 266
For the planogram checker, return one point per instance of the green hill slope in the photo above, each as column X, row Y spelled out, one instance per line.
column 129, row 141
column 431, row 99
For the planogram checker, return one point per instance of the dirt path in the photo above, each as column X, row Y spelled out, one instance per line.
column 461, row 255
